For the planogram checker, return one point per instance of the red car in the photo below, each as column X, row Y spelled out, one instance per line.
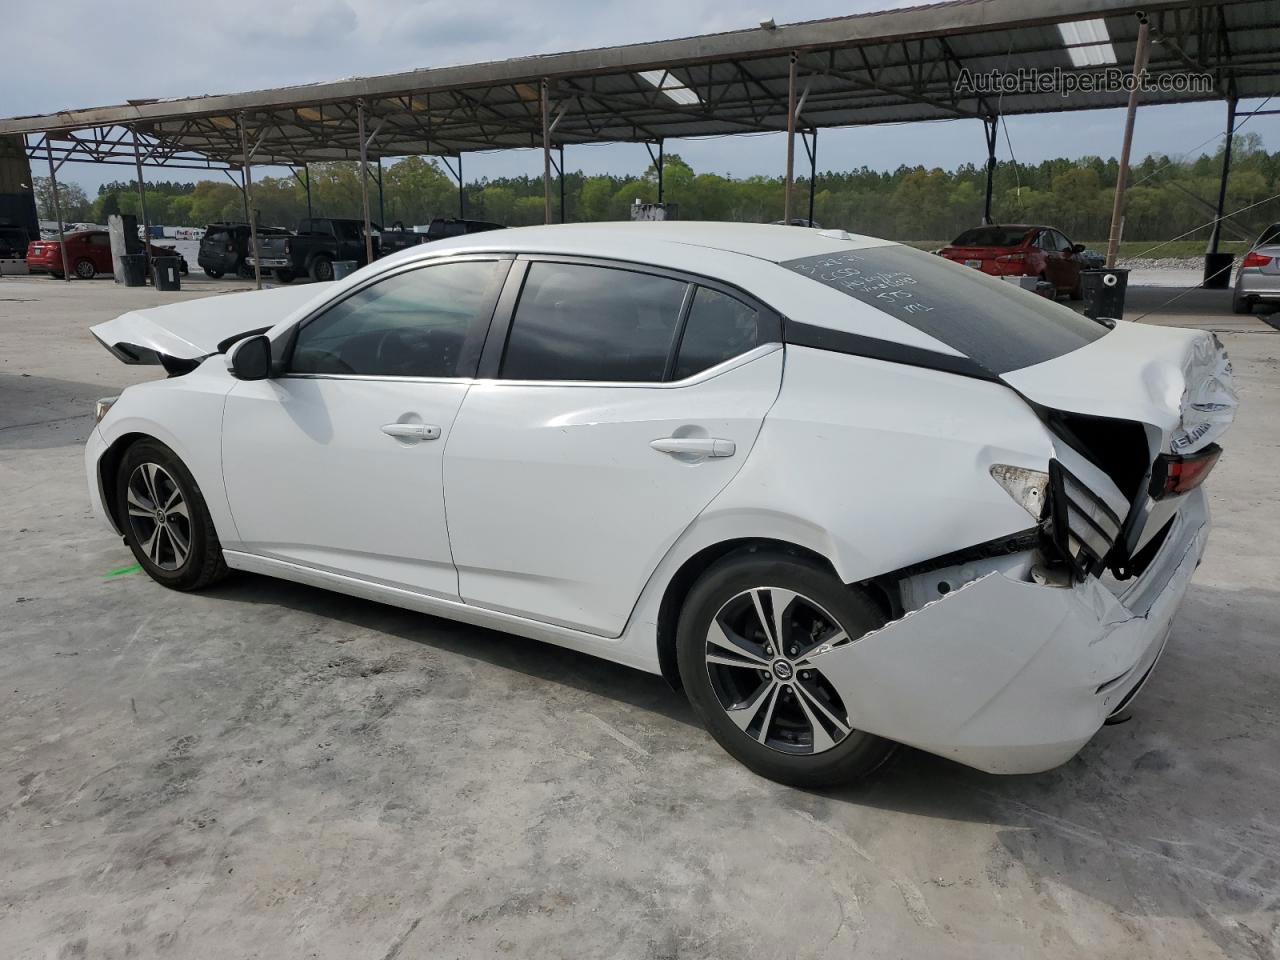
column 1021, row 250
column 88, row 254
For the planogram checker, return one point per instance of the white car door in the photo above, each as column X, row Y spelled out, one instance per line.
column 623, row 403
column 337, row 461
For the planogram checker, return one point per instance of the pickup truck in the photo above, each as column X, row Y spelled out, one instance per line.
column 313, row 248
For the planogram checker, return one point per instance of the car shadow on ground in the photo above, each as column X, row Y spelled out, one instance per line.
column 1171, row 814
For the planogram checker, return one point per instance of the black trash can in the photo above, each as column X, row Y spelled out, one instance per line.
column 134, row 266
column 1217, row 270
column 166, row 273
column 1104, row 293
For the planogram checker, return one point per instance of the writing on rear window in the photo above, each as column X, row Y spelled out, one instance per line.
column 996, row 324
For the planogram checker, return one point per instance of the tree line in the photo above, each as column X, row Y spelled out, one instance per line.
column 1167, row 197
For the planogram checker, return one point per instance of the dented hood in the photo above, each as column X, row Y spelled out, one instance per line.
column 1177, row 381
column 194, row 329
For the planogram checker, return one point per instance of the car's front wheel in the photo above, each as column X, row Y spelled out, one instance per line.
column 85, row 269
column 750, row 645
column 165, row 520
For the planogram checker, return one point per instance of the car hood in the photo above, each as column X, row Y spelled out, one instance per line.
column 195, row 329
column 1176, row 381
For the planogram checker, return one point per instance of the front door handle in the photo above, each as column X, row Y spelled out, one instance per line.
column 695, row 446
column 412, row 431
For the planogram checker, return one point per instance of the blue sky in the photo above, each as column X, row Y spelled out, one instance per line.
column 91, row 54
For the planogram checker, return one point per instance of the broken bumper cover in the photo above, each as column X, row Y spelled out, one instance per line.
column 94, row 448
column 1010, row 676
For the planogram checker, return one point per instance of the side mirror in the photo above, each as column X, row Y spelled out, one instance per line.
column 250, row 359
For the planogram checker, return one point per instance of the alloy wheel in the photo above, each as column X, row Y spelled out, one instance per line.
column 763, row 655
column 159, row 516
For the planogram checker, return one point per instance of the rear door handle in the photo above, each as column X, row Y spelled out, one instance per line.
column 412, row 431
column 695, row 446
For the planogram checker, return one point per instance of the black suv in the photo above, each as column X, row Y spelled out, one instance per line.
column 224, row 246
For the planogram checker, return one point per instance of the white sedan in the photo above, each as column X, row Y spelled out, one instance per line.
column 844, row 493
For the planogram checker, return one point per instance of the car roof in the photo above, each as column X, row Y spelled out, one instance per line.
column 619, row 239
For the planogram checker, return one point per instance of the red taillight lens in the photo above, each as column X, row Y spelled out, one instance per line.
column 1173, row 475
column 1255, row 260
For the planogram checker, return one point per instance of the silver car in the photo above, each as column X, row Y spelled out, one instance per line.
column 1258, row 279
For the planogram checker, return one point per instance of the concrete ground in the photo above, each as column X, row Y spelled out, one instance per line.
column 267, row 770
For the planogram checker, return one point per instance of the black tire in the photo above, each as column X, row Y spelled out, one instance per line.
column 84, row 269
column 718, row 590
column 213, row 274
column 1077, row 292
column 56, row 274
column 1241, row 304
column 321, row 269
column 285, row 276
column 184, row 269
column 157, row 468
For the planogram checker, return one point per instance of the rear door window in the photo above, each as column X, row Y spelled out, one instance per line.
column 584, row 322
column 719, row 328
column 994, row 323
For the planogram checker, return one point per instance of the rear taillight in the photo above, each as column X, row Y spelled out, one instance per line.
column 1255, row 260
column 1173, row 475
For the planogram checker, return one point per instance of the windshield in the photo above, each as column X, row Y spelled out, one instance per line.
column 999, row 326
column 991, row 237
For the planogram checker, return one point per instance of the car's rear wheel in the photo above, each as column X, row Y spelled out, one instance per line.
column 85, row 269
column 321, row 269
column 285, row 276
column 165, row 520
column 750, row 646
column 1240, row 304
column 213, row 274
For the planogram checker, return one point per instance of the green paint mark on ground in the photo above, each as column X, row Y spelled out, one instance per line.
column 134, row 568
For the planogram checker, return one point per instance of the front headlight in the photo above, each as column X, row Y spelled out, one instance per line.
column 1028, row 487
column 101, row 407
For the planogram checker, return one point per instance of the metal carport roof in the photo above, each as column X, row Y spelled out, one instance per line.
column 891, row 67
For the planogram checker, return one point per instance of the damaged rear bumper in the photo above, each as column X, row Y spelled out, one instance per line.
column 1013, row 677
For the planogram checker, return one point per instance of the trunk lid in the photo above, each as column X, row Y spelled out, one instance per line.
column 272, row 246
column 1174, row 381
column 194, row 330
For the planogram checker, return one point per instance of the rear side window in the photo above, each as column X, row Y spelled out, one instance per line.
column 997, row 325
column 719, row 328
column 581, row 322
column 428, row 322
column 1270, row 236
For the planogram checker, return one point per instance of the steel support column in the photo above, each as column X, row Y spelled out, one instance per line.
column 661, row 163
column 546, row 156
column 810, row 143
column 247, row 180
column 382, row 205
column 561, row 183
column 364, row 181
column 142, row 199
column 306, row 170
column 1122, row 175
column 57, row 212
column 791, row 141
column 462, row 191
column 990, row 129
column 1215, row 235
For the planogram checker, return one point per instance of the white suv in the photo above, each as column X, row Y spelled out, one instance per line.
column 845, row 493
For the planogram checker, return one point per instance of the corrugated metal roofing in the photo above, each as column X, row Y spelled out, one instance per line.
column 891, row 67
